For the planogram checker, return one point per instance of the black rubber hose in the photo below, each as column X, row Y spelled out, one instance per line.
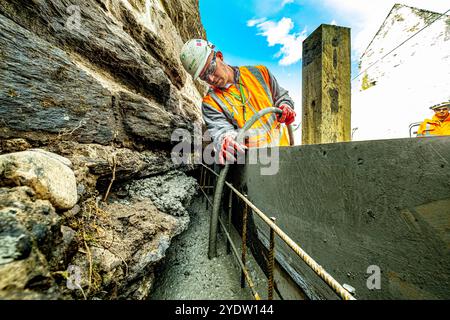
column 212, row 250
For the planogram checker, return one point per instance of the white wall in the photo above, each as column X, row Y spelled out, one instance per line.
column 408, row 81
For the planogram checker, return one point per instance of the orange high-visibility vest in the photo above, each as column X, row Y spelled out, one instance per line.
column 258, row 95
column 434, row 127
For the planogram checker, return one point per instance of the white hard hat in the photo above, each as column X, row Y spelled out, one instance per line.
column 440, row 105
column 194, row 54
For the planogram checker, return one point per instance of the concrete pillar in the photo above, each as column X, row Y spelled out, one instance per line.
column 326, row 86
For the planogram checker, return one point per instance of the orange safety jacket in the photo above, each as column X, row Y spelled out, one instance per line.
column 434, row 127
column 226, row 110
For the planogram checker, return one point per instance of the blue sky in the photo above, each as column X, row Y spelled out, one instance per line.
column 270, row 32
column 227, row 26
column 226, row 23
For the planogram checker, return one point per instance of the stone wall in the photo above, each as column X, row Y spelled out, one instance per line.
column 103, row 71
column 100, row 83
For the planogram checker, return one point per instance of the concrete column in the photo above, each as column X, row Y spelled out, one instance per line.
column 326, row 86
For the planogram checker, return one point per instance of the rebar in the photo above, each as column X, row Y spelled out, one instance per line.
column 244, row 243
column 271, row 262
column 344, row 294
column 236, row 255
column 328, row 279
column 212, row 250
column 230, row 211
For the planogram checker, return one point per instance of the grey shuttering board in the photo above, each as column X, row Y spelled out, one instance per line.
column 357, row 204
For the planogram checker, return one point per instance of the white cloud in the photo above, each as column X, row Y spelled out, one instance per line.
column 333, row 23
column 279, row 33
column 254, row 22
column 285, row 2
column 362, row 16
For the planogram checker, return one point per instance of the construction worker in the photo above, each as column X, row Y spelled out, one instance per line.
column 439, row 125
column 235, row 95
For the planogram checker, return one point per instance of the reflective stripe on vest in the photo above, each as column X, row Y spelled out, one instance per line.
column 229, row 114
column 259, row 97
column 257, row 74
column 269, row 122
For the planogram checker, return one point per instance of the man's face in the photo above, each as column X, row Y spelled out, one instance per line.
column 214, row 72
column 441, row 112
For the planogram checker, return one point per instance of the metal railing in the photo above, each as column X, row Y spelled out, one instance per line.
column 274, row 229
column 412, row 126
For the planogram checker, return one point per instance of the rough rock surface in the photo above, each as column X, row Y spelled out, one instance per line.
column 95, row 71
column 113, row 246
column 49, row 175
column 28, row 228
column 131, row 238
column 98, row 82
column 94, row 164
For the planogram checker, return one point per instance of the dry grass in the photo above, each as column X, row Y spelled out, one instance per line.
column 114, row 164
column 90, row 225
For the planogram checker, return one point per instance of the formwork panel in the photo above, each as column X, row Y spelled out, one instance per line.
column 358, row 206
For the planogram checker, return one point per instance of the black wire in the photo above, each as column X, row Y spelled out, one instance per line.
column 401, row 44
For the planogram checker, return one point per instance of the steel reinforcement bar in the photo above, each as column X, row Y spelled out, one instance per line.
column 236, row 254
column 318, row 269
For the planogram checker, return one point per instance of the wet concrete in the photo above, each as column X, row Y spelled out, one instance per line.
column 188, row 274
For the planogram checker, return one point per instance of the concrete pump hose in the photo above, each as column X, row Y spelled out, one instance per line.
column 212, row 250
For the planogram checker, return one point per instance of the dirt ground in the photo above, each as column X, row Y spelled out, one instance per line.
column 188, row 274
